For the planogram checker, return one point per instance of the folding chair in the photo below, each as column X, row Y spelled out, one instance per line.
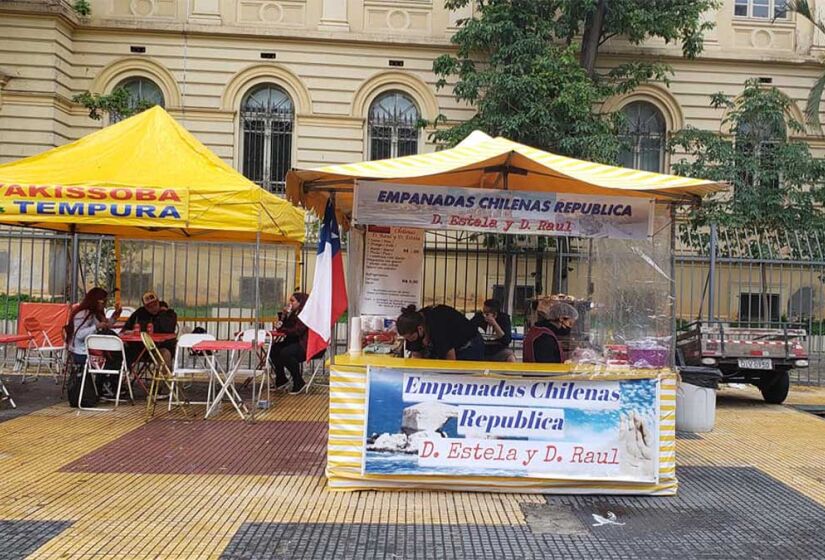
column 96, row 346
column 41, row 350
column 161, row 375
column 318, row 365
column 179, row 367
column 263, row 369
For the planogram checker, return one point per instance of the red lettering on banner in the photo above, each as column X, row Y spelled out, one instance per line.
column 169, row 194
column 38, row 191
column 96, row 193
column 426, row 449
column 120, row 194
column 15, row 190
column 74, row 192
column 144, row 194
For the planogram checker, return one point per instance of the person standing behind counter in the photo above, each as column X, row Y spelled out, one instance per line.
column 498, row 329
column 542, row 342
column 439, row 332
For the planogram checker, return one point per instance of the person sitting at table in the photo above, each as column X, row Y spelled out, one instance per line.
column 163, row 320
column 291, row 352
column 542, row 343
column 497, row 332
column 439, row 332
column 85, row 319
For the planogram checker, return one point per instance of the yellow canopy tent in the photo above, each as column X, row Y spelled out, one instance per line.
column 144, row 177
column 495, row 163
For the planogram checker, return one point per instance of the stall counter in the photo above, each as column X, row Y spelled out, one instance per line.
column 397, row 424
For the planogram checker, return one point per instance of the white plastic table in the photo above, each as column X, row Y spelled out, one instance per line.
column 226, row 379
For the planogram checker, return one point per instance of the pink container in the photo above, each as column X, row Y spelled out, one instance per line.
column 654, row 357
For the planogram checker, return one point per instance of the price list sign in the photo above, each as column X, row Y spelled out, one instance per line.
column 393, row 268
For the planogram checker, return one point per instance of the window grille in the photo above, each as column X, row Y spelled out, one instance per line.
column 393, row 126
column 267, row 117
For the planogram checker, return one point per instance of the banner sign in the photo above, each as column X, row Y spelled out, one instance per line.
column 142, row 206
column 498, row 211
column 393, row 267
column 428, row 423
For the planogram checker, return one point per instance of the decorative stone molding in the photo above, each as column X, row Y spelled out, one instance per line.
column 290, row 13
column 206, row 12
column 388, row 80
column 145, row 8
column 128, row 67
column 266, row 73
column 397, row 17
column 334, row 16
column 660, row 97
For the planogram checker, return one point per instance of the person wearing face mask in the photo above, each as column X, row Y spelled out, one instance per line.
column 439, row 332
column 542, row 342
column 291, row 352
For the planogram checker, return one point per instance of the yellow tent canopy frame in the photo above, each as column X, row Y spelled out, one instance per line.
column 482, row 162
column 145, row 177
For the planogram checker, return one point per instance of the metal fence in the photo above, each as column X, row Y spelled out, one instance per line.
column 211, row 285
column 756, row 280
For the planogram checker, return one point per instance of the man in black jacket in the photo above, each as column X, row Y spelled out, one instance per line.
column 163, row 320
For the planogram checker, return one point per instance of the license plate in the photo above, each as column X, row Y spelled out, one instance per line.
column 755, row 363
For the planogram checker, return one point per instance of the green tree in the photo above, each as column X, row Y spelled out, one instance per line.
column 120, row 103
column 776, row 183
column 82, row 7
column 530, row 67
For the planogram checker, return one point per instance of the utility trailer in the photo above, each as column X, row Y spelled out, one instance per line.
column 760, row 356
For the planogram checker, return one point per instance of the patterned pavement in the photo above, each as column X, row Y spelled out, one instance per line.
column 107, row 485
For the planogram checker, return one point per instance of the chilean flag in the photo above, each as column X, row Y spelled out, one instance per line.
column 328, row 299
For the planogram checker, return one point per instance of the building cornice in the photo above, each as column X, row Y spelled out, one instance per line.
column 666, row 53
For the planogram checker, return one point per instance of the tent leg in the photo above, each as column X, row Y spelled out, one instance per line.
column 117, row 272
column 75, row 266
column 257, row 265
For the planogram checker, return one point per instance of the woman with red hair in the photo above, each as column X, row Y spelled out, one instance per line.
column 86, row 319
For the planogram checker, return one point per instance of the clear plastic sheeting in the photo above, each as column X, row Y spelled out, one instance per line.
column 628, row 287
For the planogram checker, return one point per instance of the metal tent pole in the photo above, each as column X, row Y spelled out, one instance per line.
column 712, row 271
column 75, row 264
column 257, row 267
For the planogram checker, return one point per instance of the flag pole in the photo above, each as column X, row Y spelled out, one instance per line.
column 334, row 341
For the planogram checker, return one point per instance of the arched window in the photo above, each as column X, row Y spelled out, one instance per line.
column 267, row 114
column 643, row 137
column 393, row 126
column 757, row 141
column 143, row 93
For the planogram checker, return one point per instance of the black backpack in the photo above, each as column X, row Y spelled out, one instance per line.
column 89, row 398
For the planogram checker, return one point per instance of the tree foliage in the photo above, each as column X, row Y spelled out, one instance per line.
column 776, row 183
column 82, row 7
column 530, row 67
column 119, row 103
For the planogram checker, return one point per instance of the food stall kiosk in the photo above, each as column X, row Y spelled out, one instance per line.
column 602, row 422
